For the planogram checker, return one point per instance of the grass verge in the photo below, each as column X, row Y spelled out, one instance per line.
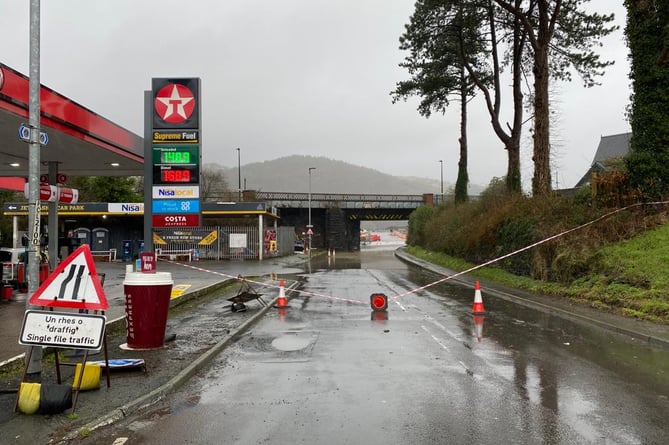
column 629, row 278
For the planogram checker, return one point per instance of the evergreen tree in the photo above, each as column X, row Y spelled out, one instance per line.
column 107, row 189
column 440, row 36
column 647, row 33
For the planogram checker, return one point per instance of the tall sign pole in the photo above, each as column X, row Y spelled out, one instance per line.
column 148, row 170
column 176, row 153
column 34, row 366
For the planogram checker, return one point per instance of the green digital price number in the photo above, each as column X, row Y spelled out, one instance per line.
column 175, row 157
column 176, row 154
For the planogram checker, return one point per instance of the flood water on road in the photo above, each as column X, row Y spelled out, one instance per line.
column 327, row 370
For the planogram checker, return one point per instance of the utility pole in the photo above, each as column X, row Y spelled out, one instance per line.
column 441, row 162
column 34, row 365
column 310, row 231
column 239, row 173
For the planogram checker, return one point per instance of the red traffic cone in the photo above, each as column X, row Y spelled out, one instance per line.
column 281, row 302
column 478, row 309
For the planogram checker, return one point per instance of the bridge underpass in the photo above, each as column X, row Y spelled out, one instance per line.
column 336, row 218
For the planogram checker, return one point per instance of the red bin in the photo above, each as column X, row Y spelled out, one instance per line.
column 147, row 302
column 7, row 292
column 43, row 272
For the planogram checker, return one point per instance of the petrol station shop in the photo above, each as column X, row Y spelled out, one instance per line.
column 114, row 231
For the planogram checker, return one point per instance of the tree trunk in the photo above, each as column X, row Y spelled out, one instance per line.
column 512, row 144
column 513, row 180
column 463, row 177
column 541, row 182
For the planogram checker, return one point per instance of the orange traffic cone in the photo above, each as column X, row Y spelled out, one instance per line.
column 478, row 309
column 281, row 302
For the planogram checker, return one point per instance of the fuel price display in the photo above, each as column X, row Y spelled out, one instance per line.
column 176, row 174
column 175, row 157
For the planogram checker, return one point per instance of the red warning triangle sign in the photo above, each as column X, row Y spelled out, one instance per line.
column 73, row 284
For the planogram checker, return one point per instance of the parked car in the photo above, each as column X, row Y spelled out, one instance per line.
column 10, row 258
column 375, row 237
column 299, row 245
column 14, row 268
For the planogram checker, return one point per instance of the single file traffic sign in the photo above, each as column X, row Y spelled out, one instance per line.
column 62, row 330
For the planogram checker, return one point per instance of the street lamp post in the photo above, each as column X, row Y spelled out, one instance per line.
column 441, row 162
column 239, row 172
column 310, row 232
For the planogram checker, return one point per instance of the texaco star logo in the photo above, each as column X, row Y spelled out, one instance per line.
column 174, row 103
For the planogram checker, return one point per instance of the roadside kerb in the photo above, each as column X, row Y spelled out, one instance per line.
column 529, row 300
column 182, row 377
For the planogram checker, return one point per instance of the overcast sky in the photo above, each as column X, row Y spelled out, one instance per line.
column 284, row 77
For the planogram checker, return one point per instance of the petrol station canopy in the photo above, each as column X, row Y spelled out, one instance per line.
column 80, row 141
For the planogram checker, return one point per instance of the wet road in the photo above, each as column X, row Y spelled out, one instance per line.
column 326, row 371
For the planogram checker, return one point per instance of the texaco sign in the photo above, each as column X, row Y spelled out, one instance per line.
column 175, row 103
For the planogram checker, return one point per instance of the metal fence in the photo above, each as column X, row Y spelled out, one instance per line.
column 223, row 242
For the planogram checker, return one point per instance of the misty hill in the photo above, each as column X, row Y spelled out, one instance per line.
column 291, row 174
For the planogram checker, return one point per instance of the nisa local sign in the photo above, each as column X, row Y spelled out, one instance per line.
column 167, row 192
column 131, row 207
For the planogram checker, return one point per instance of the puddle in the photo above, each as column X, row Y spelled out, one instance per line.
column 293, row 341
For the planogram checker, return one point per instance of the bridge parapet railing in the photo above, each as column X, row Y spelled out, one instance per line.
column 288, row 196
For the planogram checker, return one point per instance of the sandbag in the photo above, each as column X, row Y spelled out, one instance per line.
column 91, row 378
column 29, row 397
column 54, row 398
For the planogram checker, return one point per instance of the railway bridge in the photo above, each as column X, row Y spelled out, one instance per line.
column 336, row 217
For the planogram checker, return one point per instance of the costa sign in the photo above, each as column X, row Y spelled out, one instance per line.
column 189, row 220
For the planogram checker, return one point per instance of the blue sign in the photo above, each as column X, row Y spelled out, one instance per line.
column 24, row 135
column 176, row 206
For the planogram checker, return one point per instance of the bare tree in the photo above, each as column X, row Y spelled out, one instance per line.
column 212, row 182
